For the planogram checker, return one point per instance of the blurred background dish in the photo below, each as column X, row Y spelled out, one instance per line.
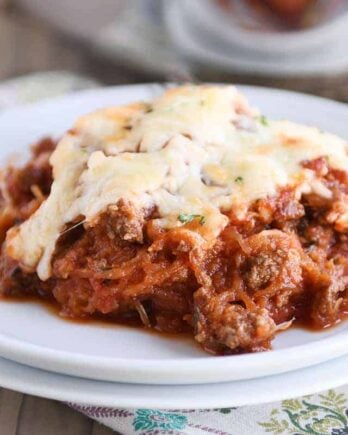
column 207, row 37
column 182, row 37
column 252, row 26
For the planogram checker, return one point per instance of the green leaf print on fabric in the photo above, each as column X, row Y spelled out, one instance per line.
column 303, row 416
column 148, row 419
column 335, row 400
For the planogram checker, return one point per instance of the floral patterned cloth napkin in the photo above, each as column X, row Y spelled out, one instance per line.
column 319, row 414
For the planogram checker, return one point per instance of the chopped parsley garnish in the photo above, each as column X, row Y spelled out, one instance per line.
column 238, row 180
column 263, row 120
column 202, row 220
column 186, row 218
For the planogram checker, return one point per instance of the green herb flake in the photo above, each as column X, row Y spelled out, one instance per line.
column 186, row 218
column 202, row 220
column 263, row 120
column 238, row 180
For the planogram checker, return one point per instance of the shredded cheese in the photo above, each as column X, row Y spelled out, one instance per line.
column 196, row 150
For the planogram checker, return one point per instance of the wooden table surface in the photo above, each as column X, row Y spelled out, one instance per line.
column 28, row 45
column 21, row 414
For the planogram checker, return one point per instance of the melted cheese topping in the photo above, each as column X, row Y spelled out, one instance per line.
column 195, row 150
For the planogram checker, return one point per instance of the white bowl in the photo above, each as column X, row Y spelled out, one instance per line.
column 209, row 21
column 202, row 51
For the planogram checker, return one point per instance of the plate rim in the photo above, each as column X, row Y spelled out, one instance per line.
column 169, row 371
column 253, row 392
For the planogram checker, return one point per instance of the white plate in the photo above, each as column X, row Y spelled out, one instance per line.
column 302, row 382
column 31, row 335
